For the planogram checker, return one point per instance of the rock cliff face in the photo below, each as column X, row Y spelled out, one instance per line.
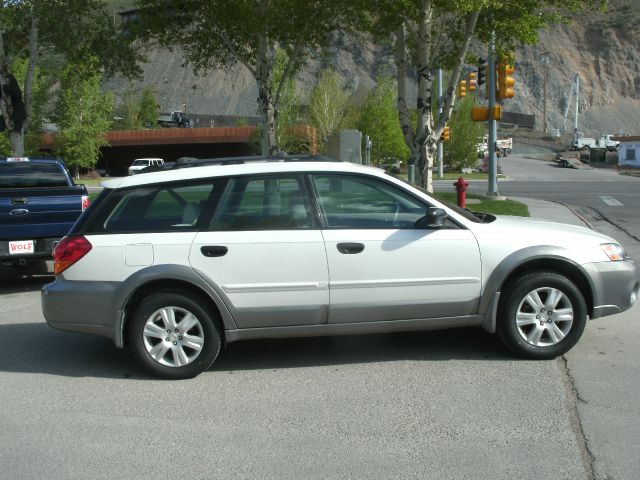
column 603, row 49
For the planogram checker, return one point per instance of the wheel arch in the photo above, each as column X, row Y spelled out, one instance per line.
column 167, row 277
column 552, row 259
column 562, row 266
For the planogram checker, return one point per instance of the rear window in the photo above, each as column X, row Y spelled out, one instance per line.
column 156, row 208
column 29, row 175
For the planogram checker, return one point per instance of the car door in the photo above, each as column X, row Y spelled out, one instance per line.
column 264, row 253
column 381, row 267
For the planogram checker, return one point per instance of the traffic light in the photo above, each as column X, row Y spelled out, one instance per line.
column 482, row 71
column 471, row 82
column 506, row 82
column 446, row 134
column 462, row 88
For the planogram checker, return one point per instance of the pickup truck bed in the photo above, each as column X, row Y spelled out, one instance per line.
column 39, row 203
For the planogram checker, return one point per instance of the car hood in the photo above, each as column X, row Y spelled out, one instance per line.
column 514, row 233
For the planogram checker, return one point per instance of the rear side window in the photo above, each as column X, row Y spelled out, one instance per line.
column 30, row 175
column 161, row 208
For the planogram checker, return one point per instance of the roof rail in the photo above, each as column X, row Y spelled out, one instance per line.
column 188, row 162
column 279, row 157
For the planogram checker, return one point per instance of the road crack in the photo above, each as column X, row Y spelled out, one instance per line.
column 574, row 398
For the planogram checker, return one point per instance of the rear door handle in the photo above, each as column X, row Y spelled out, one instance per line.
column 350, row 248
column 214, row 250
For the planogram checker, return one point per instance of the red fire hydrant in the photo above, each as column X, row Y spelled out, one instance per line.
column 461, row 188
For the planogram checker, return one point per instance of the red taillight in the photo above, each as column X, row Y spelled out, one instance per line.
column 85, row 202
column 69, row 251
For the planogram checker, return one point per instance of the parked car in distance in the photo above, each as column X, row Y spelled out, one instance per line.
column 39, row 202
column 174, row 264
column 141, row 163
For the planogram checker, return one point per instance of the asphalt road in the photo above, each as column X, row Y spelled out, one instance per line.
column 600, row 192
column 434, row 405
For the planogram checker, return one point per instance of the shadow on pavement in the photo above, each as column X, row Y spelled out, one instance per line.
column 28, row 283
column 454, row 344
column 37, row 348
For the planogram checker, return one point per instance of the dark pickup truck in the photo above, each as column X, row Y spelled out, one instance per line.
column 39, row 203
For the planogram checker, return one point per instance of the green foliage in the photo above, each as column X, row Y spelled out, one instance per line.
column 148, row 107
column 489, row 205
column 288, row 109
column 328, row 103
column 225, row 33
column 379, row 120
column 461, row 150
column 138, row 110
column 83, row 115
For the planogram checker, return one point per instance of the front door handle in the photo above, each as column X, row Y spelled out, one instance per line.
column 214, row 250
column 350, row 248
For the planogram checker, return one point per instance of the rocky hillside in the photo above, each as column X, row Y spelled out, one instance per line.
column 603, row 49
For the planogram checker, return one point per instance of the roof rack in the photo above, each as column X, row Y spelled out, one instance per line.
column 188, row 162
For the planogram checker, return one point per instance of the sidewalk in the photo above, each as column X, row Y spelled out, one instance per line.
column 554, row 212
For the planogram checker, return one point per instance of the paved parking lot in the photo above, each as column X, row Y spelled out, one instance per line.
column 449, row 404
column 432, row 405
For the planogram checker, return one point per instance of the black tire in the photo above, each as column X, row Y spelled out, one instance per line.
column 206, row 330
column 515, row 301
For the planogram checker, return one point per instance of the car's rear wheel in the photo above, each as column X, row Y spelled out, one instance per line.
column 542, row 315
column 172, row 336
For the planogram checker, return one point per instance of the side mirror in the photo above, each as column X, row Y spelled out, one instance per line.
column 434, row 218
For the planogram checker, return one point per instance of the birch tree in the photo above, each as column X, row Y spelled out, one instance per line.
column 83, row 114
column 227, row 33
column 64, row 29
column 430, row 34
column 327, row 104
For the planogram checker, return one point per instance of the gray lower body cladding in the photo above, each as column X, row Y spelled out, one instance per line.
column 86, row 307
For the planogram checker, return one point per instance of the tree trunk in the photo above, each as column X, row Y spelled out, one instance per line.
column 423, row 139
column 265, row 98
column 17, row 143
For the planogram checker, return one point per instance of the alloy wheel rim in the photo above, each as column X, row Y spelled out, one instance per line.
column 173, row 336
column 544, row 317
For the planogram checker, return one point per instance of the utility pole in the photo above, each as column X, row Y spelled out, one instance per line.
column 440, row 159
column 545, row 78
column 493, row 128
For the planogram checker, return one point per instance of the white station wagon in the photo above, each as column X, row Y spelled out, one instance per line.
column 176, row 263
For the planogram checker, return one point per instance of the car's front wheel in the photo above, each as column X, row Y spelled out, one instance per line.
column 542, row 315
column 172, row 336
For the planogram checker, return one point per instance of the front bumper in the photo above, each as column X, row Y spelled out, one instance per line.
column 615, row 286
column 85, row 307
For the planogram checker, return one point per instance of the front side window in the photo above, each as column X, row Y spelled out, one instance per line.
column 158, row 208
column 364, row 202
column 263, row 203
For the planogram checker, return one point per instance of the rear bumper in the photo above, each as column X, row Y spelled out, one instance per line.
column 615, row 286
column 85, row 307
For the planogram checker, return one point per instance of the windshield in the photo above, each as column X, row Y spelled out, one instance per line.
column 138, row 163
column 29, row 175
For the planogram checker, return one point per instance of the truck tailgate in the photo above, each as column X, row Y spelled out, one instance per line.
column 38, row 213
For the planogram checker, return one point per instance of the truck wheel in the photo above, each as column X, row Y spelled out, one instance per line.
column 585, row 148
column 542, row 315
column 173, row 336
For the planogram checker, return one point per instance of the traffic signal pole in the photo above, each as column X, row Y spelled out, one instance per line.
column 492, row 127
column 439, row 93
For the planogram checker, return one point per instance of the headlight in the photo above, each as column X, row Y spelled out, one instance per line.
column 613, row 251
